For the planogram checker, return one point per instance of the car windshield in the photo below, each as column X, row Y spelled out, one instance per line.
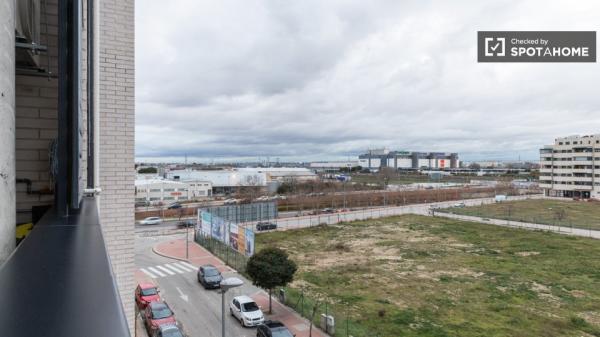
column 160, row 312
column 211, row 272
column 250, row 306
column 149, row 292
column 173, row 333
column 281, row 332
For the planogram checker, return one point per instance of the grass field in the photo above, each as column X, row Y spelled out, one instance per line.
column 554, row 212
column 423, row 276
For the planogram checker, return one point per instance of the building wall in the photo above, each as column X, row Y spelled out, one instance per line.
column 7, row 135
column 116, row 148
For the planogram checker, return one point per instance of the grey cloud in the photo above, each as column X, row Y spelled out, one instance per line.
column 325, row 79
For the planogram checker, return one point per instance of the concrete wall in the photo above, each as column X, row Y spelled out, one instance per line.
column 7, row 128
column 117, row 127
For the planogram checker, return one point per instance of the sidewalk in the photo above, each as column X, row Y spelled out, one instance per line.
column 175, row 249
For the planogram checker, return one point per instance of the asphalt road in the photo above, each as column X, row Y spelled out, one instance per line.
column 197, row 309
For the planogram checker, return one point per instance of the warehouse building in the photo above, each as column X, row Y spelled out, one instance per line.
column 159, row 190
column 404, row 160
column 570, row 167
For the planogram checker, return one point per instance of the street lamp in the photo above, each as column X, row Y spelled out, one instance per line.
column 226, row 284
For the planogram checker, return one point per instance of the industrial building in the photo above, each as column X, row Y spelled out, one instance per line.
column 571, row 167
column 405, row 160
column 159, row 190
column 230, row 180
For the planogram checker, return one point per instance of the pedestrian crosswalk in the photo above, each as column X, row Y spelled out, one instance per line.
column 168, row 269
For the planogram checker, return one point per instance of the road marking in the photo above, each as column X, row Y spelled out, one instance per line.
column 156, row 272
column 166, row 270
column 189, row 265
column 174, row 267
column 181, row 294
column 147, row 273
column 184, row 267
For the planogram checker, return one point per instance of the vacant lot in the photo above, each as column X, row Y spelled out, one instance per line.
column 422, row 276
column 554, row 212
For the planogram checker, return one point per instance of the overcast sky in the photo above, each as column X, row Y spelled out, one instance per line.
column 310, row 80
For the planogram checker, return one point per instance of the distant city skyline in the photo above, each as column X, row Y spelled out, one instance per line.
column 318, row 80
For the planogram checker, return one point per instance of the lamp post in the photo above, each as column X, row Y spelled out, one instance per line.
column 227, row 284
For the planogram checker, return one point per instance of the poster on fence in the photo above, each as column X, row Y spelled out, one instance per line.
column 233, row 237
column 218, row 228
column 249, row 242
column 205, row 222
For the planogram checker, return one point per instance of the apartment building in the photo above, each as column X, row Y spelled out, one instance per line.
column 570, row 167
column 67, row 166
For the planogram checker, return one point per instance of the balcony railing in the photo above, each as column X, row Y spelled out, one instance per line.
column 58, row 282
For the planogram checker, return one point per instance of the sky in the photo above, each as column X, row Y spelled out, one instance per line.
column 327, row 80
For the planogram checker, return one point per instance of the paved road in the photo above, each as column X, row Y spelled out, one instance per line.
column 198, row 310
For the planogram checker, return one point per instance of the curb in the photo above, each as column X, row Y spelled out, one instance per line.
column 155, row 251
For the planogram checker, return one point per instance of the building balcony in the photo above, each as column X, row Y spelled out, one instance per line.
column 58, row 282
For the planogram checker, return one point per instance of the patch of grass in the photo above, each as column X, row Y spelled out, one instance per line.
column 579, row 214
column 423, row 276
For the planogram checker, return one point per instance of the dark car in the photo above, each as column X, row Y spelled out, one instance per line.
column 174, row 205
column 327, row 210
column 273, row 329
column 186, row 223
column 209, row 276
column 168, row 330
column 265, row 226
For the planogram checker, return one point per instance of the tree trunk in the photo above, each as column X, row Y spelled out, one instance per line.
column 270, row 303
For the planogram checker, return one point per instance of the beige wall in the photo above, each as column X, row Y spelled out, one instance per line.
column 117, row 127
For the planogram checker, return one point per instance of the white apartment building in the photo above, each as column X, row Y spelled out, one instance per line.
column 160, row 190
column 570, row 167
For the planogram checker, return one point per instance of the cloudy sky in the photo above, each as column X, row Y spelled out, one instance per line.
column 312, row 80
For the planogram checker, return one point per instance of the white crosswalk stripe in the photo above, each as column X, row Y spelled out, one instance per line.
column 189, row 265
column 147, row 273
column 168, row 269
column 184, row 266
column 155, row 271
column 173, row 267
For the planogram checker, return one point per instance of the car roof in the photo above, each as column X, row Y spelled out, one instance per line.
column 208, row 266
column 156, row 305
column 168, row 326
column 147, row 285
column 274, row 324
column 244, row 299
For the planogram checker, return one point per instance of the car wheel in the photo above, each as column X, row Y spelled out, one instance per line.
column 242, row 323
column 231, row 311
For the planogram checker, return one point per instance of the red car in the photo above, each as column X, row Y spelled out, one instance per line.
column 157, row 314
column 146, row 293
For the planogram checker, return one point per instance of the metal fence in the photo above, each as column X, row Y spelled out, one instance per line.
column 316, row 312
column 256, row 211
column 227, row 254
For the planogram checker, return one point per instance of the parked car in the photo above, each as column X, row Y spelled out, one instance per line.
column 264, row 226
column 174, row 205
column 153, row 220
column 186, row 223
column 157, row 314
column 168, row 330
column 327, row 210
column 146, row 293
column 273, row 329
column 209, row 276
column 460, row 205
column 245, row 310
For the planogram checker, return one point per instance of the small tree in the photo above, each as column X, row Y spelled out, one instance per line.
column 148, row 170
column 270, row 268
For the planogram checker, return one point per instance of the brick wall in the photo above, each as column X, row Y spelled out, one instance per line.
column 117, row 127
